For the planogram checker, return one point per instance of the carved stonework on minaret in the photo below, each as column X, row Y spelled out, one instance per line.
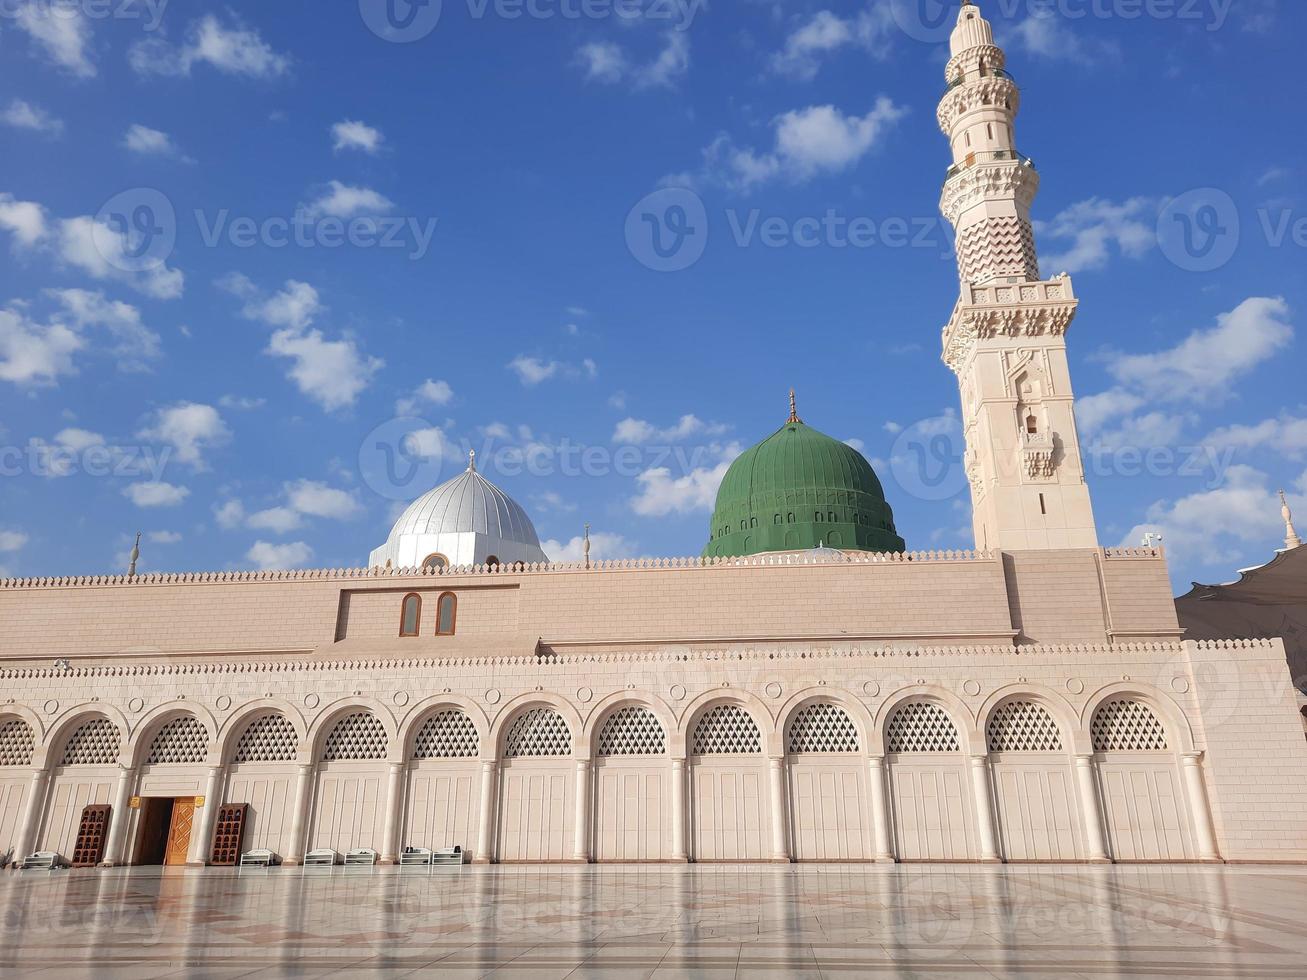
column 1006, row 337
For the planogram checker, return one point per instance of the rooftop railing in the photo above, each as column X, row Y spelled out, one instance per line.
column 988, row 156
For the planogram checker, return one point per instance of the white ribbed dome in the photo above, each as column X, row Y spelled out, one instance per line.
column 465, row 522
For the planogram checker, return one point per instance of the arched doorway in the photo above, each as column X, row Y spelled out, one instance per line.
column 729, row 799
column 538, row 801
column 350, row 802
column 263, row 774
column 933, row 809
column 633, row 816
column 444, row 782
column 1034, row 786
column 830, row 820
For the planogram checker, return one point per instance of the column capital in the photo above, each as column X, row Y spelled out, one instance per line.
column 1191, row 758
column 1084, row 759
column 876, row 761
column 979, row 759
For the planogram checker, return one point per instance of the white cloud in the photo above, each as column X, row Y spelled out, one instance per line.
column 809, row 142
column 319, row 500
column 35, row 354
column 24, row 219
column 1093, row 226
column 551, row 501
column 350, row 134
column 279, row 520
column 163, row 537
column 230, row 514
column 135, row 345
column 12, row 540
column 78, row 440
column 190, row 429
column 235, row 50
column 241, row 403
column 662, row 494
column 155, row 494
column 24, row 115
column 103, row 253
column 532, row 370
column 149, row 142
column 826, row 32
column 296, row 306
column 343, row 201
column 427, row 393
column 331, row 372
column 637, row 431
column 1143, row 431
column 429, row 443
column 893, row 428
column 603, row 546
column 1093, row 412
column 608, row 64
column 1285, row 436
column 60, row 31
column 857, row 444
column 275, row 557
column 1047, row 34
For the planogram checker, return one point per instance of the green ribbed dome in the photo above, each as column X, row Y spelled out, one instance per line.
column 799, row 489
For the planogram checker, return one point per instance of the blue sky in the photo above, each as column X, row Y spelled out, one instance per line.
column 340, row 228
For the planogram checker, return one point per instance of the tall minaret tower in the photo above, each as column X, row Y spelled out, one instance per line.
column 1006, row 338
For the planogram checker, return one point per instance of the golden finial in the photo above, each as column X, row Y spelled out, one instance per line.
column 794, row 411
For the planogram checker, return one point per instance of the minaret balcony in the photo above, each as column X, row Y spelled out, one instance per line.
column 988, row 156
column 984, row 73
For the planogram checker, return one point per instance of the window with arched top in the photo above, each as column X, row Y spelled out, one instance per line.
column 448, row 734
column 632, row 730
column 726, row 729
column 435, row 563
column 182, row 740
column 95, row 743
column 538, row 733
column 356, row 737
column 1032, row 424
column 410, row 615
column 268, row 738
column 1023, row 726
column 446, row 614
column 822, row 727
column 1127, row 725
column 921, row 726
column 17, row 743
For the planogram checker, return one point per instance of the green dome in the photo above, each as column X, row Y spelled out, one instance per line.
column 800, row 489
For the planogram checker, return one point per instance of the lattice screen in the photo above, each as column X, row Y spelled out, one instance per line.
column 447, row 734
column 1127, row 726
column 183, row 739
column 632, row 730
column 356, row 737
column 921, row 726
column 726, row 729
column 17, row 743
column 94, row 744
column 538, row 733
column 1023, row 726
column 269, row 738
column 823, row 727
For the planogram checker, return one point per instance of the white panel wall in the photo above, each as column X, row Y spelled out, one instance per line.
column 349, row 807
column 933, row 812
column 269, row 789
column 172, row 781
column 731, row 813
column 633, row 817
column 1146, row 815
column 537, row 810
column 1038, row 814
column 830, row 819
column 13, row 794
column 443, row 805
column 71, row 790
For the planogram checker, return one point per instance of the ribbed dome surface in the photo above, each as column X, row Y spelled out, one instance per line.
column 801, row 489
column 468, row 503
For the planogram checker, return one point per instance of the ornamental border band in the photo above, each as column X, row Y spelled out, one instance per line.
column 805, row 690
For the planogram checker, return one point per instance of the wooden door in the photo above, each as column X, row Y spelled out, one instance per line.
column 91, row 836
column 179, row 832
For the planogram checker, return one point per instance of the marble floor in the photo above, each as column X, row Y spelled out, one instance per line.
column 655, row 921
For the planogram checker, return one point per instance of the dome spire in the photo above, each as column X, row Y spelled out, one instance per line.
column 794, row 411
column 471, row 460
column 1291, row 539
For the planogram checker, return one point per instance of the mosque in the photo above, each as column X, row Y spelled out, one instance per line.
column 807, row 689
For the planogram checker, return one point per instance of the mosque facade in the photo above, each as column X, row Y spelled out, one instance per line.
column 807, row 689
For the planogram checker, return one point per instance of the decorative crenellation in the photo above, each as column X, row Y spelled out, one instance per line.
column 970, row 60
column 977, row 93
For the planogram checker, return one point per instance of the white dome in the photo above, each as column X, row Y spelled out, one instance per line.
column 464, row 522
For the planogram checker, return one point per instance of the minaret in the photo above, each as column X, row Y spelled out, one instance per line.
column 1291, row 539
column 1006, row 338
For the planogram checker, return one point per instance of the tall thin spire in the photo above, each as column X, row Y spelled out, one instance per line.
column 472, row 460
column 135, row 557
column 794, row 411
column 1291, row 539
column 586, row 546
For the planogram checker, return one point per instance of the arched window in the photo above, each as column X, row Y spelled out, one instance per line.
column 17, row 743
column 1127, row 725
column 410, row 617
column 268, row 738
column 448, row 734
column 95, row 743
column 632, row 730
column 921, row 726
column 1032, row 424
column 182, row 740
column 538, row 733
column 1023, row 726
column 359, row 736
column 446, row 614
column 435, row 563
column 726, row 729
column 822, row 727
